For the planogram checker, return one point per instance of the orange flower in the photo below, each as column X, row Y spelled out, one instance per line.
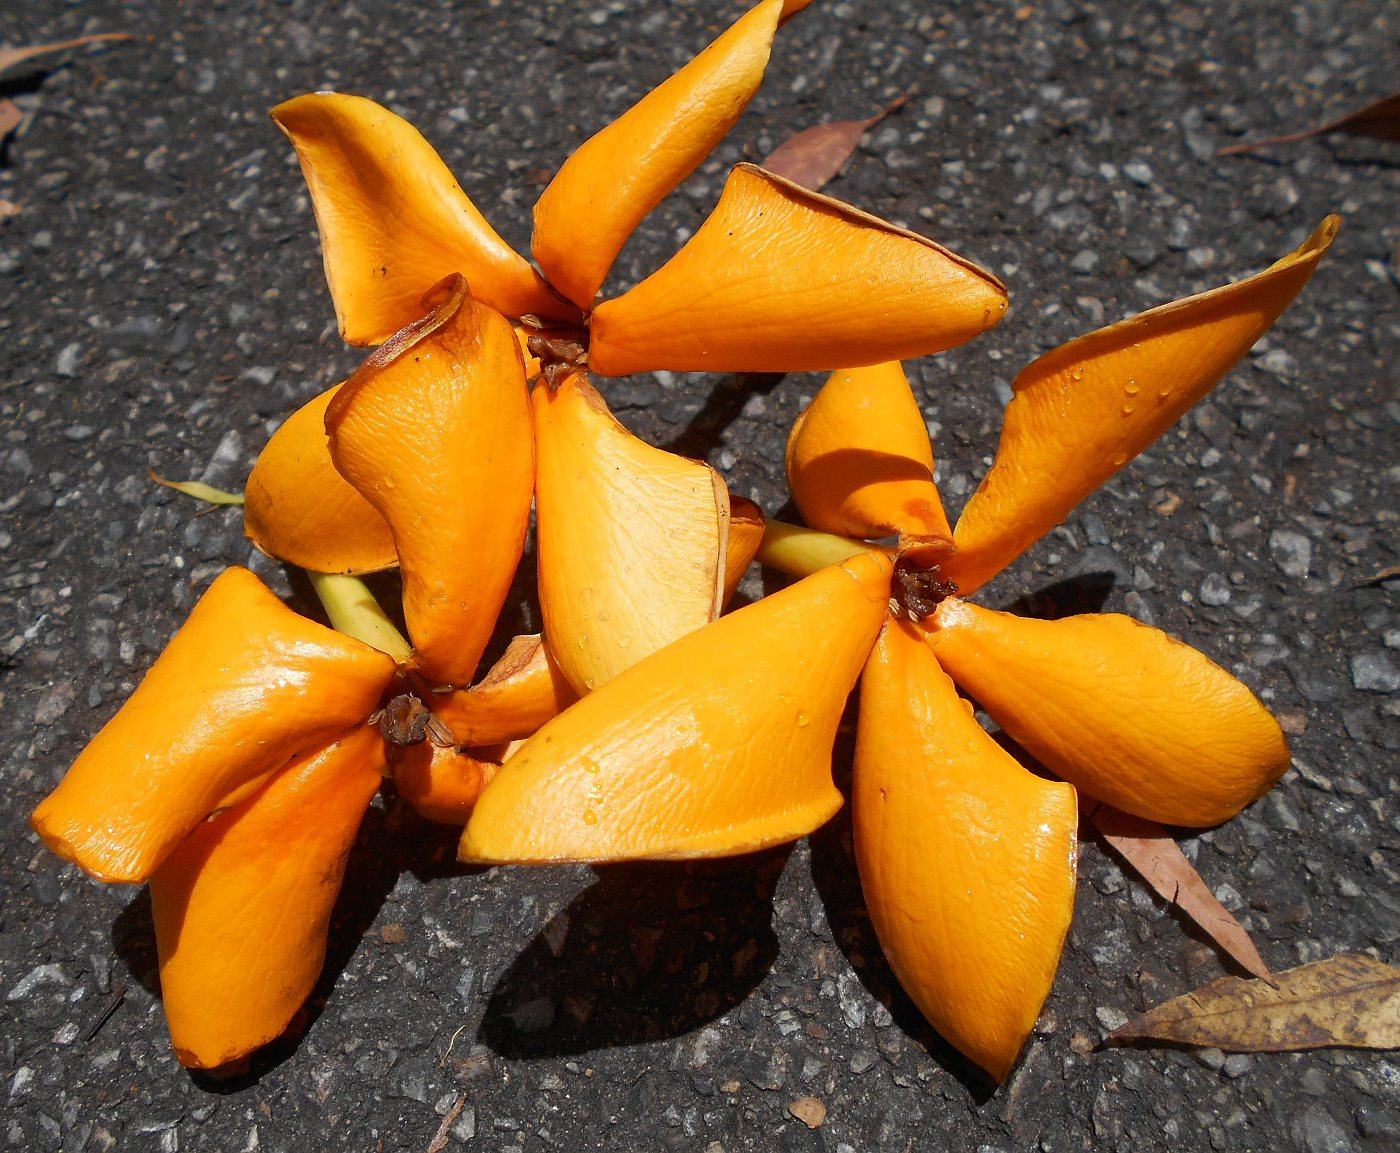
column 966, row 859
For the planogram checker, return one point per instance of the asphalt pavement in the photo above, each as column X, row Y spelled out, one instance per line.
column 162, row 305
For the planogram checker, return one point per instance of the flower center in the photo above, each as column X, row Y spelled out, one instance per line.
column 561, row 349
column 918, row 588
column 405, row 721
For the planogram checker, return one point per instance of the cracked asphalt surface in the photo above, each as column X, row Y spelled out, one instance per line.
column 162, row 305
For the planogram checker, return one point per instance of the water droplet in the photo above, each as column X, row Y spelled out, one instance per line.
column 583, row 641
column 1132, row 388
column 803, row 720
column 1164, row 392
column 1120, row 459
column 590, row 683
column 388, row 482
column 590, row 817
column 1076, row 374
column 1128, row 408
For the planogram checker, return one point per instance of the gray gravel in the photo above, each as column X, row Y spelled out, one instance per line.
column 162, row 305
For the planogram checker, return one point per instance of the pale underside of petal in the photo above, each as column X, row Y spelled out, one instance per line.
column 602, row 192
column 1125, row 712
column 242, row 908
column 434, row 431
column 299, row 509
column 1082, row 411
column 782, row 279
column 632, row 539
column 859, row 459
column 966, row 859
column 394, row 221
column 716, row 745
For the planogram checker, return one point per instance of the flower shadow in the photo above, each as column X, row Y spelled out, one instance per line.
column 650, row 952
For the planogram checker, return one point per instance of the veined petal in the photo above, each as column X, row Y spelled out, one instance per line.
column 602, row 192
column 966, row 859
column 299, row 509
column 394, row 222
column 243, row 905
column 859, row 459
column 440, row 784
column 746, row 526
column 245, row 686
column 781, row 279
column 1123, row 711
column 525, row 688
column 718, row 744
column 632, row 539
column 1082, row 411
column 434, row 431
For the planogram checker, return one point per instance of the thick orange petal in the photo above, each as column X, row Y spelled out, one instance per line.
column 718, row 744
column 243, row 905
column 1127, row 713
column 297, row 508
column 1081, row 412
column 440, row 784
column 966, row 859
column 525, row 688
column 434, row 431
column 632, row 539
column 746, row 526
column 245, row 686
column 602, row 192
column 781, row 279
column 859, row 459
column 394, row 222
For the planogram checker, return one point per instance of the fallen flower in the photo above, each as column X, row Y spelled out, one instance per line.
column 967, row 860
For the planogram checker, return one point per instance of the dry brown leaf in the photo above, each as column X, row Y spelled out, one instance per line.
column 1380, row 119
column 816, row 155
column 1348, row 1001
column 1393, row 571
column 11, row 58
column 10, row 116
column 1154, row 854
column 809, row 1110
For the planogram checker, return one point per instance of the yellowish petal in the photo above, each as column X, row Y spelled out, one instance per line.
column 434, row 431
column 299, row 509
column 243, row 906
column 603, row 190
column 966, row 859
column 718, row 744
column 1081, row 412
column 859, row 460
column 245, row 686
column 1125, row 712
column 782, row 279
column 394, row 222
column 632, row 539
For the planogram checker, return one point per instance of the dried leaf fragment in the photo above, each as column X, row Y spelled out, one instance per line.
column 13, row 57
column 1349, row 1001
column 1379, row 119
column 815, row 156
column 198, row 489
column 1157, row 858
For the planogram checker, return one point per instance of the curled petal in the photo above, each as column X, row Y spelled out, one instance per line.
column 746, row 526
column 434, row 431
column 966, row 859
column 243, row 905
column 1123, row 711
column 245, row 686
column 781, row 279
column 602, row 192
column 1082, row 411
column 859, row 459
column 299, row 509
column 631, row 538
column 440, row 784
column 718, row 744
column 525, row 688
column 394, row 222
